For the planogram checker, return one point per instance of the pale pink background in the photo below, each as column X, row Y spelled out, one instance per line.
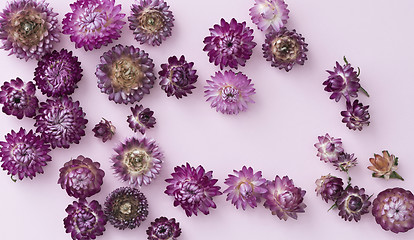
column 276, row 134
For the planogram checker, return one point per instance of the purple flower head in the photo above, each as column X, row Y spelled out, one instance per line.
column 230, row 92
column 126, row 207
column 393, row 209
column 164, row 229
column 269, row 14
column 284, row 49
column 229, row 44
column 342, row 81
column 61, row 122
column 329, row 187
column 85, row 220
column 28, row 28
column 58, row 73
column 18, row 98
column 151, row 21
column 81, row 177
column 193, row 189
column 345, row 162
column 245, row 188
column 137, row 161
column 24, row 154
column 141, row 119
column 104, row 129
column 329, row 148
column 353, row 203
column 93, row 23
column 356, row 115
column 177, row 77
column 284, row 199
column 125, row 74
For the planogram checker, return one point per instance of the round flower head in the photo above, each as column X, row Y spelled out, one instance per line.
column 345, row 162
column 329, row 187
column 229, row 44
column 284, row 199
column 329, row 148
column 126, row 207
column 151, row 21
column 245, row 188
column 393, row 209
column 85, row 220
column 125, row 74
column 93, row 23
column 28, row 28
column 104, row 129
column 342, row 81
column 61, row 122
column 193, row 189
column 284, row 49
column 18, row 98
column 356, row 115
column 81, row 177
column 230, row 92
column 57, row 73
column 141, row 119
column 138, row 161
column 353, row 203
column 177, row 77
column 24, row 154
column 269, row 14
column 384, row 166
column 164, row 229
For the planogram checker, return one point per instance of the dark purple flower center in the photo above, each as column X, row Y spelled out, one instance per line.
column 23, row 154
column 60, row 121
column 152, row 21
column 285, row 48
column 354, row 203
column 85, row 220
column 137, row 160
column 246, row 189
column 230, row 94
column 163, row 231
column 81, row 178
column 17, row 99
column 126, row 75
column 179, row 76
column 230, row 44
column 396, row 210
column 190, row 193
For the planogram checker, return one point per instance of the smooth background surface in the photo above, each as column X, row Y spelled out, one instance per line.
column 276, row 134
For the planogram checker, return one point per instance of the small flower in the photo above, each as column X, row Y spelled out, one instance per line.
column 193, row 189
column 58, row 73
column 177, row 77
column 329, row 187
column 229, row 44
column 329, row 148
column 164, row 229
column 353, row 203
column 126, row 207
column 245, row 188
column 125, row 74
column 18, row 98
column 24, row 154
column 85, row 220
column 93, row 23
column 104, row 129
column 28, row 28
column 384, row 166
column 269, row 14
column 284, row 199
column 284, row 49
column 81, row 177
column 356, row 115
column 141, row 119
column 393, row 209
column 151, row 21
column 138, row 161
column 61, row 122
column 230, row 92
column 345, row 162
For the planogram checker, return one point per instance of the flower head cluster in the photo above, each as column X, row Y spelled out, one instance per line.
column 345, row 162
column 353, row 203
column 329, row 187
column 356, row 115
column 269, row 14
column 141, row 119
column 384, row 166
column 18, row 98
column 164, row 229
column 104, row 129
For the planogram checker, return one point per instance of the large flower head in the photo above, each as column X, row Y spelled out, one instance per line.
column 245, row 187
column 164, row 229
column 58, row 73
column 353, row 203
column 230, row 92
column 356, row 115
column 329, row 187
column 126, row 207
column 85, row 220
column 285, row 48
column 342, row 81
column 61, row 122
column 24, row 154
column 393, row 209
column 193, row 189
column 229, row 44
column 104, row 130
column 151, row 21
column 18, row 98
column 269, row 14
column 125, row 74
column 28, row 28
column 177, row 77
column 93, row 23
column 81, row 177
column 284, row 199
column 141, row 119
column 384, row 166
column 137, row 161
column 329, row 148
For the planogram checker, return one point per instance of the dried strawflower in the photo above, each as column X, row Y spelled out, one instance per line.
column 345, row 162
column 329, row 148
column 384, row 166
column 164, row 229
column 329, row 187
column 104, row 129
column 353, row 203
column 141, row 119
column 269, row 14
column 356, row 115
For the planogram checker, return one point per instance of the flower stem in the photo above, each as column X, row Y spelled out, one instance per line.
column 364, row 91
column 14, row 180
column 394, row 174
column 346, row 61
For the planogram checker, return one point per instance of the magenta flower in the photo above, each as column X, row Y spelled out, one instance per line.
column 329, row 187
column 356, row 115
column 104, row 129
column 141, row 119
column 342, row 81
column 329, row 148
column 164, row 229
column 269, row 14
column 353, row 203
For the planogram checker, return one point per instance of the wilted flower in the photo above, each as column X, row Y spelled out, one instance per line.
column 141, row 119
column 269, row 14
column 345, row 162
column 164, row 229
column 329, row 148
column 356, row 115
column 353, row 203
column 104, row 129
column 384, row 166
column 329, row 187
